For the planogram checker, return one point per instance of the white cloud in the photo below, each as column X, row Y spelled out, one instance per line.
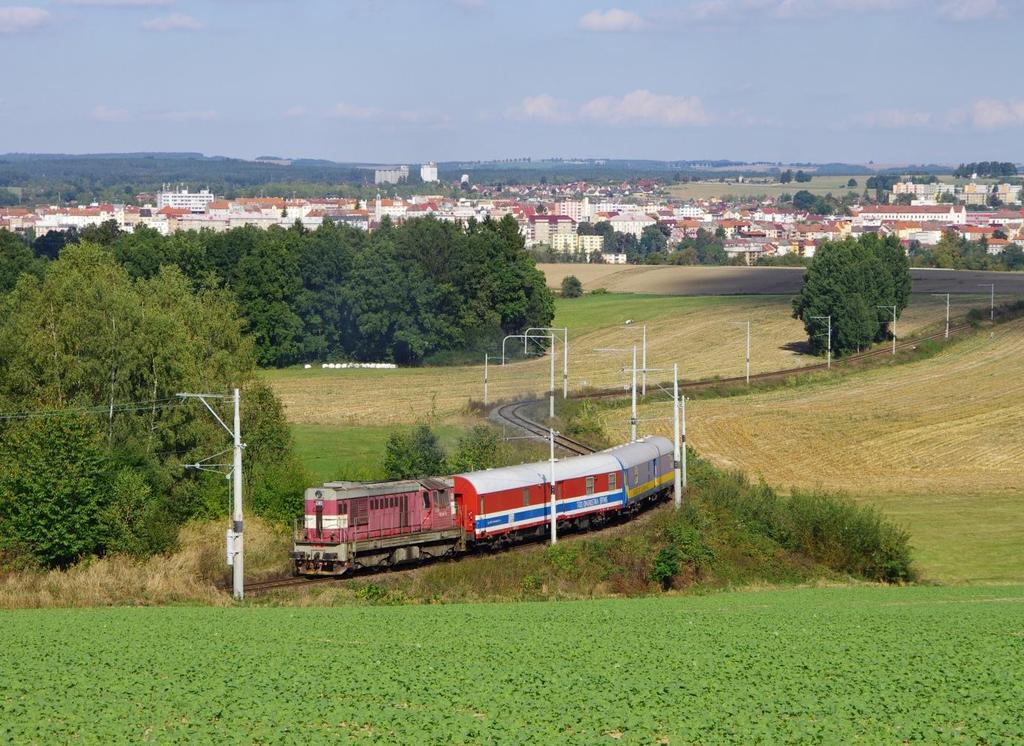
column 22, row 18
column 295, row 112
column 614, row 19
column 173, row 22
column 972, row 10
column 103, row 113
column 644, row 107
column 186, row 116
column 894, row 118
column 992, row 114
column 543, row 108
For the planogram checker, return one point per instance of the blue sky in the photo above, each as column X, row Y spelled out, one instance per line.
column 893, row 81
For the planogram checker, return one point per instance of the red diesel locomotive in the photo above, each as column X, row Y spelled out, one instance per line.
column 351, row 525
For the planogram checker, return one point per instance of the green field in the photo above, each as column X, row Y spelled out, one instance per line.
column 333, row 452
column 818, row 185
column 876, row 665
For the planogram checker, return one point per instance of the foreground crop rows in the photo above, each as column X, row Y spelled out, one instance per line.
column 823, row 665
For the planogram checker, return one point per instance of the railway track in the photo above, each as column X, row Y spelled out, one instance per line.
column 511, row 414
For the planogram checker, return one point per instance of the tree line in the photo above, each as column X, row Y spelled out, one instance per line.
column 405, row 294
column 990, row 169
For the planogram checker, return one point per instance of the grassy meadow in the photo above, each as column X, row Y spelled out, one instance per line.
column 819, row 185
column 697, row 332
column 936, row 443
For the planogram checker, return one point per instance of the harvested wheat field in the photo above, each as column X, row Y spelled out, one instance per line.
column 698, row 333
column 937, row 443
column 674, row 280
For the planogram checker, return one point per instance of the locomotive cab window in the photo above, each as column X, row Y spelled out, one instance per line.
column 636, row 475
column 612, row 481
column 441, row 500
column 590, row 485
column 426, row 500
column 526, row 496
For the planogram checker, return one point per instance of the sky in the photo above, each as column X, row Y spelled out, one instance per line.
column 883, row 81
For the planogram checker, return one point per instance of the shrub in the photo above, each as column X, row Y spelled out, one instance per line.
column 572, row 287
column 827, row 527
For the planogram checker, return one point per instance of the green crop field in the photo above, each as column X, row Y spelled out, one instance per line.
column 839, row 665
column 333, row 452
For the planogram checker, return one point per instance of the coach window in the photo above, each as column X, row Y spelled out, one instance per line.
column 612, row 481
column 526, row 496
column 590, row 485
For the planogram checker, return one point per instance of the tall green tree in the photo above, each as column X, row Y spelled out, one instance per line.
column 53, row 488
column 848, row 281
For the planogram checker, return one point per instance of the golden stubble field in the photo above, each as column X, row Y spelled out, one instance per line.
column 938, row 444
column 698, row 333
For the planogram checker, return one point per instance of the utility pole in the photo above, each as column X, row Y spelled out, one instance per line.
column 633, row 419
column 643, row 362
column 682, row 408
column 633, row 416
column 992, row 299
column 565, row 350
column 829, row 318
column 486, row 361
column 676, row 441
column 551, row 397
column 235, row 545
column 947, row 310
column 554, row 492
column 748, row 347
column 893, row 328
column 565, row 365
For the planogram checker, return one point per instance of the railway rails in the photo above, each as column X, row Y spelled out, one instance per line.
column 511, row 414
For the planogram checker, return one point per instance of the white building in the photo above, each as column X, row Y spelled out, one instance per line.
column 428, row 172
column 572, row 243
column 391, row 175
column 633, row 223
column 183, row 199
column 925, row 192
column 874, row 215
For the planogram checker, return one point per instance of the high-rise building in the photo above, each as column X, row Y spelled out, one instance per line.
column 428, row 172
column 183, row 199
column 391, row 175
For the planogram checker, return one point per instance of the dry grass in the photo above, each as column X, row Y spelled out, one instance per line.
column 938, row 443
column 189, row 575
column 695, row 332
